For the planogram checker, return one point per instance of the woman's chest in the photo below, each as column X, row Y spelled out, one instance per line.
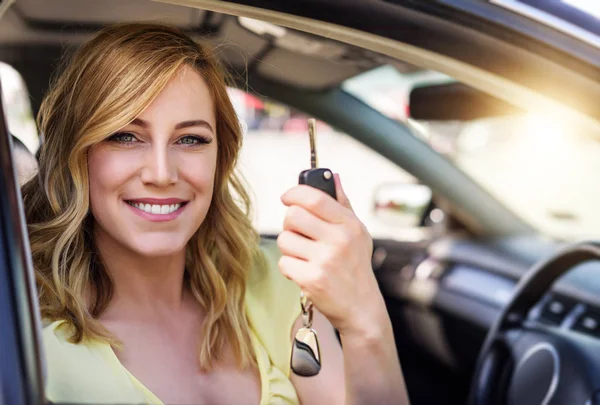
column 172, row 373
column 220, row 386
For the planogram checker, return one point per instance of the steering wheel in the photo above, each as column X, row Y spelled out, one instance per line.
column 525, row 363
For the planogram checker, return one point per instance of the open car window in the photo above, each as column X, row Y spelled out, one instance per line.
column 536, row 164
column 276, row 150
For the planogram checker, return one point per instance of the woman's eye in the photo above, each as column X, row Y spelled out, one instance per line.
column 123, row 137
column 191, row 140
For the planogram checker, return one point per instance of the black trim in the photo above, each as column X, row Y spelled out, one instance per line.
column 513, row 28
column 568, row 13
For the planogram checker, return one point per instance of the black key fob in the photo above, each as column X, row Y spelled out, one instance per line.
column 320, row 178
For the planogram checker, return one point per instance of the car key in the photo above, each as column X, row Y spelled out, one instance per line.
column 320, row 178
column 306, row 353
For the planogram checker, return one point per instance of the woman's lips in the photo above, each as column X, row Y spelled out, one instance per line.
column 157, row 210
column 158, row 201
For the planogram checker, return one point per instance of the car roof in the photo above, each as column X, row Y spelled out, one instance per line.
column 324, row 63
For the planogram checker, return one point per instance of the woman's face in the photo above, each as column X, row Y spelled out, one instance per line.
column 151, row 183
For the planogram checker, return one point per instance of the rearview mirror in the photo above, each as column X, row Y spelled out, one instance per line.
column 455, row 102
column 402, row 204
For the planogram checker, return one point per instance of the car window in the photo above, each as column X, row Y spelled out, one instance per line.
column 539, row 166
column 276, row 150
column 17, row 107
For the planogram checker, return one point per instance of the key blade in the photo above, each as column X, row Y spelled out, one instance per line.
column 312, row 123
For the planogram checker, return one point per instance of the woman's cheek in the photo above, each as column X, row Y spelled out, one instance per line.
column 109, row 167
column 198, row 169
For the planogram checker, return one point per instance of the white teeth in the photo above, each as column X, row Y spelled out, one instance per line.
column 156, row 208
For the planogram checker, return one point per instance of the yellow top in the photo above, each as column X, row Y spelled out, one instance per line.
column 91, row 372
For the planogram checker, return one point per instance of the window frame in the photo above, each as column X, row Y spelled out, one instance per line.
column 21, row 369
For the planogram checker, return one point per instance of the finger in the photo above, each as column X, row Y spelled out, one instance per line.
column 316, row 202
column 295, row 245
column 299, row 220
column 339, row 191
column 293, row 268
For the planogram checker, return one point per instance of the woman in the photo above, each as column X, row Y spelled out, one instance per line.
column 152, row 281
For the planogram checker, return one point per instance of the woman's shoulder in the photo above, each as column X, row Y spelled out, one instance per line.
column 80, row 372
column 56, row 343
column 273, row 305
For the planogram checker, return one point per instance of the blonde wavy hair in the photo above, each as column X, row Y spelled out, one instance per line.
column 108, row 82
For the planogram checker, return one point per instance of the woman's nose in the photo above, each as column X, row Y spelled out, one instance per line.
column 160, row 168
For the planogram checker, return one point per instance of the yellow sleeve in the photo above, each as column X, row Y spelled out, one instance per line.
column 273, row 305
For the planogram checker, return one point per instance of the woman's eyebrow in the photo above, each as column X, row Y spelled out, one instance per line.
column 194, row 123
column 184, row 124
column 140, row 123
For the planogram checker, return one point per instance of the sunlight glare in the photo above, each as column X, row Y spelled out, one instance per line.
column 589, row 6
column 543, row 131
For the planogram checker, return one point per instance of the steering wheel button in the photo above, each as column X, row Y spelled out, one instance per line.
column 589, row 323
column 557, row 308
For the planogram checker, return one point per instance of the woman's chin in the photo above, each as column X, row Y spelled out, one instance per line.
column 158, row 252
column 147, row 247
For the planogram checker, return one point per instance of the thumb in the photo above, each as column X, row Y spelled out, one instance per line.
column 339, row 191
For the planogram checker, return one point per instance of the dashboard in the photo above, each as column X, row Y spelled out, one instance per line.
column 456, row 289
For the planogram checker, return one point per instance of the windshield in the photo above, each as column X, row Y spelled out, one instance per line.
column 544, row 170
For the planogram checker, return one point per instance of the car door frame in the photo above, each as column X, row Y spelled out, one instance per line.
column 21, row 366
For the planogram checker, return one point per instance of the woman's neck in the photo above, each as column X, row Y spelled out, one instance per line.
column 143, row 287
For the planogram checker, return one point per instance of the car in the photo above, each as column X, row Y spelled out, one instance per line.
column 465, row 131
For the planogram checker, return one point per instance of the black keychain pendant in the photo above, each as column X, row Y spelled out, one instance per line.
column 306, row 353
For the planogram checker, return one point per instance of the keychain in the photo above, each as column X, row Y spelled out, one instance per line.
column 306, row 354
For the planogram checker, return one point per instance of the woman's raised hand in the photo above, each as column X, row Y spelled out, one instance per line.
column 327, row 252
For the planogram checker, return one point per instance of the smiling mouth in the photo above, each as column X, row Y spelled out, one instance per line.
column 156, row 209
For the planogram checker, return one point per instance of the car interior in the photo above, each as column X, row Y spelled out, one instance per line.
column 460, row 276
